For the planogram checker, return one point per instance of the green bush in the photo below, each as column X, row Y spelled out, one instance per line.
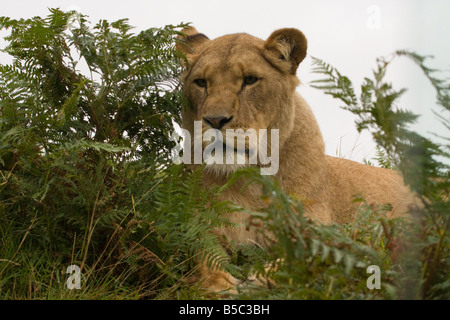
column 86, row 178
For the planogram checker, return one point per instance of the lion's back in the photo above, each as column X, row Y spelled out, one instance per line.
column 351, row 180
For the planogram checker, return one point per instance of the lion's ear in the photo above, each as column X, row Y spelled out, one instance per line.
column 287, row 46
column 190, row 41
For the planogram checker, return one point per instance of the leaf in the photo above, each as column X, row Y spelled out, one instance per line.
column 315, row 245
column 349, row 261
column 325, row 251
column 70, row 105
column 338, row 255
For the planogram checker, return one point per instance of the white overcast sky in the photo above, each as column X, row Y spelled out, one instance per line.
column 348, row 34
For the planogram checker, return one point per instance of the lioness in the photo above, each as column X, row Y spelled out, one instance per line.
column 238, row 81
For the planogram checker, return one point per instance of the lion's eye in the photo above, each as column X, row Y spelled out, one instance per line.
column 200, row 82
column 250, row 80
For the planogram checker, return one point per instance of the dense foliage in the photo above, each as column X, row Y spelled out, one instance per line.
column 86, row 179
column 423, row 271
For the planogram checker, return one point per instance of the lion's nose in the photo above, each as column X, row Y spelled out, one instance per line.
column 217, row 122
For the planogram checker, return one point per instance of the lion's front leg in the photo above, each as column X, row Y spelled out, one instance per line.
column 217, row 281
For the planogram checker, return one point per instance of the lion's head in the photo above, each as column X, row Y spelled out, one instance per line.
column 239, row 81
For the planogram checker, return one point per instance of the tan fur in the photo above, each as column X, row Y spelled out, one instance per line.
column 327, row 185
